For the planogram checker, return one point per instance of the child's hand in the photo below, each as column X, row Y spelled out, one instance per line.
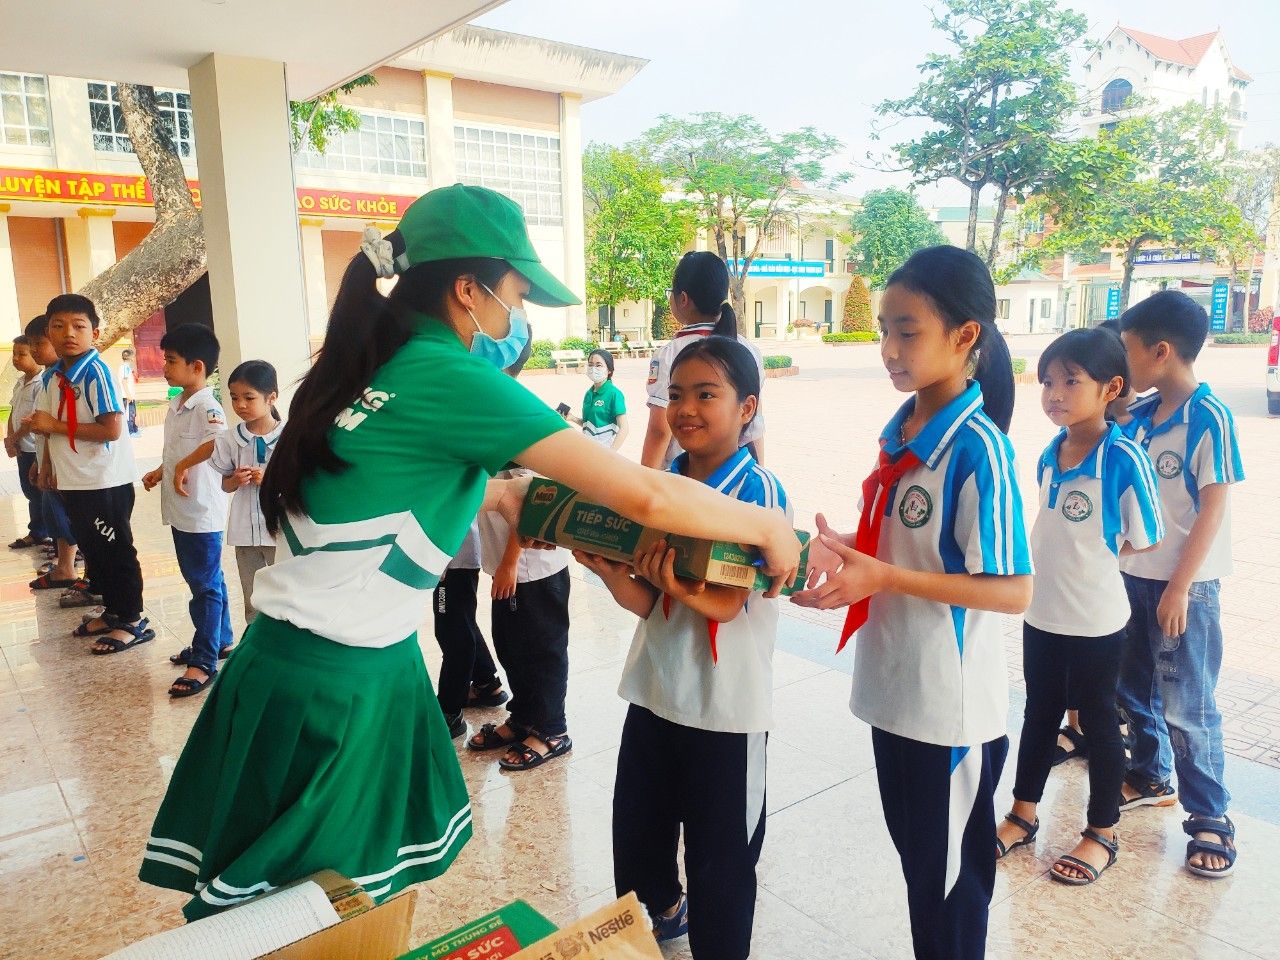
column 603, row 568
column 34, row 473
column 658, row 566
column 40, row 422
column 255, row 476
column 242, row 476
column 46, row 480
column 823, row 561
column 504, row 581
column 152, row 478
column 1171, row 612
column 10, row 447
column 180, row 481
column 859, row 577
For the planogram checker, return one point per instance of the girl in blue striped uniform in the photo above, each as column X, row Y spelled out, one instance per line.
column 940, row 552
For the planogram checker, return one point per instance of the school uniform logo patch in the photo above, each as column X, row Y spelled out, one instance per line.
column 216, row 417
column 653, row 372
column 1077, row 507
column 916, row 507
column 1168, row 464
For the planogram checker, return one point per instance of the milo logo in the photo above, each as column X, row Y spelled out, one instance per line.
column 544, row 494
column 1168, row 464
column 1077, row 506
column 916, row 507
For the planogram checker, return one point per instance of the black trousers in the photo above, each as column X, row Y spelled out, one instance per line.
column 531, row 639
column 1057, row 667
column 34, row 495
column 712, row 784
column 938, row 804
column 466, row 655
column 100, row 520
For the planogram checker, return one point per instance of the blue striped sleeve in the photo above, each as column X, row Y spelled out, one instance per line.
column 997, row 542
column 100, row 390
column 762, row 488
column 1213, row 450
column 1133, row 499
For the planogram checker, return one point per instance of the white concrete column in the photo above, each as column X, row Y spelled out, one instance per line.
column 11, row 320
column 311, row 229
column 69, row 119
column 91, row 244
column 240, row 107
column 575, row 239
column 442, row 163
column 782, row 299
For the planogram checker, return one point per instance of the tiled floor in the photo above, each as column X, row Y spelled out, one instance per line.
column 87, row 744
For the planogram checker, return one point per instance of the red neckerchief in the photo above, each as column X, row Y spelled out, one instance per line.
column 713, row 626
column 875, row 490
column 67, row 403
column 686, row 332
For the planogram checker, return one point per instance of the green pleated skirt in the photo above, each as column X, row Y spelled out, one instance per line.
column 309, row 754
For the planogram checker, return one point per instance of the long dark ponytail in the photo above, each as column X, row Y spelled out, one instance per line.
column 365, row 330
column 960, row 286
column 705, row 278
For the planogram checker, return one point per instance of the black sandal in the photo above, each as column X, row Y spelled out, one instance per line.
column 1225, row 830
column 488, row 738
column 1032, row 829
column 141, row 633
column 1079, row 746
column 487, row 695
column 1150, row 794
column 84, row 630
column 189, row 686
column 183, row 657
column 527, row 757
column 1091, row 872
column 23, row 543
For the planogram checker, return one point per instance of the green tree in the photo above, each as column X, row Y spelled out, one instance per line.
column 995, row 104
column 1160, row 178
column 890, row 226
column 740, row 178
column 857, row 308
column 314, row 122
column 633, row 235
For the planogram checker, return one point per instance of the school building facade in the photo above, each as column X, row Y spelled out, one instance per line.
column 475, row 106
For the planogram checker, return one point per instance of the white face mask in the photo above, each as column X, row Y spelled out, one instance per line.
column 597, row 374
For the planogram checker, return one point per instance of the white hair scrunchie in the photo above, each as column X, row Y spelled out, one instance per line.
column 379, row 252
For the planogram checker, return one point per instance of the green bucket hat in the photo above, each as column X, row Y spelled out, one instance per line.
column 458, row 222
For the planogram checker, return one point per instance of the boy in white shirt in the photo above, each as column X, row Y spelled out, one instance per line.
column 89, row 461
column 21, row 444
column 129, row 390
column 194, row 420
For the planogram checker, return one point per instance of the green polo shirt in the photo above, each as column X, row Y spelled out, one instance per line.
column 601, row 408
column 421, row 442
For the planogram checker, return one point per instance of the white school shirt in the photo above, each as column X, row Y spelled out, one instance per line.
column 1193, row 448
column 494, row 533
column 26, row 393
column 659, row 384
column 669, row 670
column 1086, row 515
column 127, row 380
column 925, row 670
column 93, row 465
column 233, row 449
column 468, row 555
column 186, row 426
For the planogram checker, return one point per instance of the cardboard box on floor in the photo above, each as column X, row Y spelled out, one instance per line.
column 366, row 932
column 619, row 931
column 555, row 513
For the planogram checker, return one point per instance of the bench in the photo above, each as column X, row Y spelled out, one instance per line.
column 568, row 359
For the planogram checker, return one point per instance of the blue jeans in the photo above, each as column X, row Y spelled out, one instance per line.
column 56, row 522
column 1166, row 689
column 200, row 560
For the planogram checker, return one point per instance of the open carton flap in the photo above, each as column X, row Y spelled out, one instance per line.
column 619, row 931
column 378, row 934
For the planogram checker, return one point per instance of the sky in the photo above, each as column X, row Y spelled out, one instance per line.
column 826, row 63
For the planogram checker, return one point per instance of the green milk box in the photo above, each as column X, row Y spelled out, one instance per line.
column 555, row 513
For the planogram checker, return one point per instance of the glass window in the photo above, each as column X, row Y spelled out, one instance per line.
column 384, row 144
column 524, row 166
column 1044, row 308
column 24, row 110
column 1114, row 95
column 107, row 120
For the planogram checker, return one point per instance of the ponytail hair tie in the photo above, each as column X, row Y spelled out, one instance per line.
column 378, row 250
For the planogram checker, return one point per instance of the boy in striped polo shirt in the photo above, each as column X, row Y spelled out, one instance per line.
column 89, row 461
column 1174, row 647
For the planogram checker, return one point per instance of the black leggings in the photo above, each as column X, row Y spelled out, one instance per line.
column 466, row 655
column 1086, row 667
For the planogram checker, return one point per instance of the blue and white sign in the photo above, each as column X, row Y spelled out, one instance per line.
column 785, row 268
column 1168, row 256
column 1113, row 302
column 1218, row 305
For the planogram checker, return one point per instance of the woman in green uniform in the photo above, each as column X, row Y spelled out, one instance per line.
column 321, row 743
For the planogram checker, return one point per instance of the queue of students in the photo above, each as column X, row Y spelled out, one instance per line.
column 1127, row 549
